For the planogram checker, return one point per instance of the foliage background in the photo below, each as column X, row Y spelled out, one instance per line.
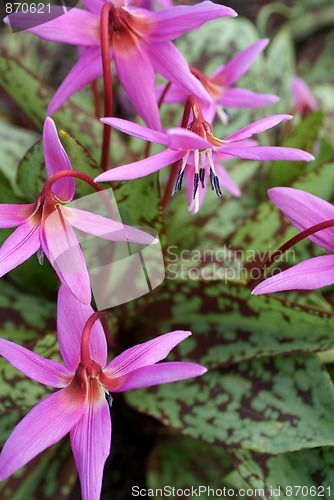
column 263, row 415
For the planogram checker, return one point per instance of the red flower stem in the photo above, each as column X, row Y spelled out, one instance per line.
column 294, row 240
column 107, row 81
column 69, row 173
column 86, row 360
column 161, row 100
column 96, row 100
column 191, row 105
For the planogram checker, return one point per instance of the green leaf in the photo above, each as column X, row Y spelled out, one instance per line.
column 270, row 406
column 303, row 136
column 306, row 473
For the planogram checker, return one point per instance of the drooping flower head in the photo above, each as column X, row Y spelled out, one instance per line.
column 81, row 406
column 219, row 85
column 306, row 212
column 140, row 45
column 197, row 149
column 45, row 226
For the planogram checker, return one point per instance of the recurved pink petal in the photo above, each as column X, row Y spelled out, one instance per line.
column 62, row 249
column 136, row 73
column 94, row 6
column 145, row 354
column 43, row 426
column 45, row 371
column 105, row 228
column 87, row 69
column 131, row 128
column 72, row 316
column 56, row 159
column 302, row 95
column 182, row 138
column 304, row 210
column 142, row 167
column 266, row 153
column 90, row 441
column 20, row 245
column 163, row 373
column 236, row 67
column 170, row 63
column 175, row 21
column 257, row 127
column 243, row 98
column 173, row 95
column 15, row 215
column 76, row 26
column 308, row 275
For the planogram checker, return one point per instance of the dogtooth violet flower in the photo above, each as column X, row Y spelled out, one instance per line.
column 197, row 148
column 140, row 43
column 315, row 217
column 218, row 85
column 81, row 406
column 45, row 226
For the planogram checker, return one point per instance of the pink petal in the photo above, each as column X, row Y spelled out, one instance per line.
column 94, row 6
column 173, row 95
column 267, row 153
column 243, row 98
column 182, row 138
column 226, row 182
column 304, row 210
column 308, row 275
column 131, row 128
column 174, row 22
column 62, row 249
column 170, row 63
column 15, row 215
column 236, row 67
column 137, row 76
column 72, row 316
column 43, row 426
column 142, row 167
column 87, row 69
column 107, row 229
column 56, row 159
column 163, row 373
column 90, row 441
column 76, row 26
column 45, row 371
column 256, row 127
column 145, row 354
column 20, row 245
column 302, row 95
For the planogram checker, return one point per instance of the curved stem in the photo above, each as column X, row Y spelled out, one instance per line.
column 107, row 81
column 161, row 100
column 69, row 173
column 293, row 241
column 85, row 357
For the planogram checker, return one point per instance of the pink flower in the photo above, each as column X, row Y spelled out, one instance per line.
column 46, row 226
column 303, row 210
column 218, row 85
column 140, row 45
column 302, row 96
column 80, row 406
column 197, row 149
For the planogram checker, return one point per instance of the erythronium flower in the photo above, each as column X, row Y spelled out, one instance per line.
column 219, row 84
column 140, row 43
column 315, row 217
column 80, row 407
column 303, row 97
column 197, row 147
column 46, row 226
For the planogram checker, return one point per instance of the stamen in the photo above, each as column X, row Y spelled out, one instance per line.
column 212, row 177
column 217, row 187
column 109, row 399
column 224, row 115
column 202, row 176
column 40, row 256
column 178, row 182
column 196, row 182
